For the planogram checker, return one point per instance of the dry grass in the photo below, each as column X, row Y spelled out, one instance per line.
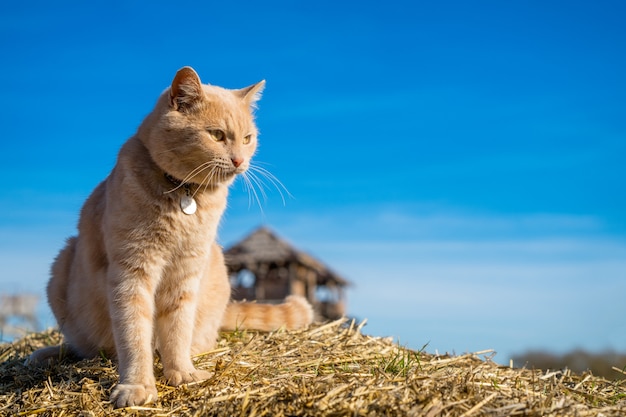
column 326, row 370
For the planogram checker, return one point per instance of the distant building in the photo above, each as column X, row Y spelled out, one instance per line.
column 264, row 267
column 18, row 313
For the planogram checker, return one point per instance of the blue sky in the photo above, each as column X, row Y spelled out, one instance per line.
column 461, row 162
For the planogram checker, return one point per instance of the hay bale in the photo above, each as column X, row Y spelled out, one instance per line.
column 325, row 370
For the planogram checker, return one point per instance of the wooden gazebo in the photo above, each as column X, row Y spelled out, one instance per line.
column 264, row 267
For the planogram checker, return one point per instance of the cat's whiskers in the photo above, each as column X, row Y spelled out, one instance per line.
column 193, row 173
column 207, row 179
column 280, row 187
column 247, row 188
column 251, row 192
column 272, row 178
column 256, row 181
column 254, row 178
column 196, row 171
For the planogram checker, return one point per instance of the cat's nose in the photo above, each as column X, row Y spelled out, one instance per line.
column 237, row 161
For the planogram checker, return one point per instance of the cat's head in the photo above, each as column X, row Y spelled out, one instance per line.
column 203, row 134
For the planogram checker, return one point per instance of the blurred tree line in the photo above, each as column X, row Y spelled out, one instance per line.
column 600, row 364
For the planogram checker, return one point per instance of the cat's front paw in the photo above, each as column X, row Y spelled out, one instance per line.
column 176, row 378
column 127, row 395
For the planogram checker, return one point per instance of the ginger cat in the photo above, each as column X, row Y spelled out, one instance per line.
column 144, row 272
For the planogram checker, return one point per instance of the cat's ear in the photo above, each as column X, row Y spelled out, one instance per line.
column 186, row 89
column 251, row 94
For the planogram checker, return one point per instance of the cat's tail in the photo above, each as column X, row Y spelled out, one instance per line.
column 50, row 354
column 294, row 313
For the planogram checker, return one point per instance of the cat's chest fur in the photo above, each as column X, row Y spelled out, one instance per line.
column 142, row 215
column 195, row 232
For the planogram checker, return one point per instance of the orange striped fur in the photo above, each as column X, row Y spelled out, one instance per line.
column 140, row 270
column 294, row 313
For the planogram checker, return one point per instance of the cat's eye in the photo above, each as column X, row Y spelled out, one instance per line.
column 247, row 139
column 218, row 135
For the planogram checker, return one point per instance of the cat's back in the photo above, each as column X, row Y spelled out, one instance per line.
column 90, row 227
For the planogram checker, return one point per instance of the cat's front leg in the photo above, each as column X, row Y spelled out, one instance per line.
column 176, row 305
column 131, row 304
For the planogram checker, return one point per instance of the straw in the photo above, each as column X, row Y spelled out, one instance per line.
column 326, row 370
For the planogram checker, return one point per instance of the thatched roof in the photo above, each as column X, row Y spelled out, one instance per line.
column 263, row 247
